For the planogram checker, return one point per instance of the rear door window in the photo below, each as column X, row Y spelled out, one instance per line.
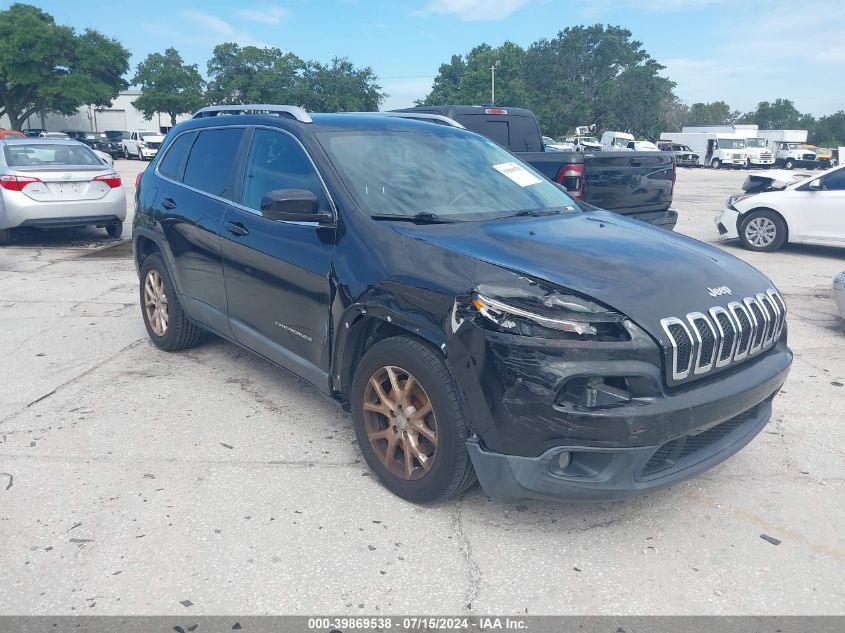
column 212, row 160
column 276, row 161
column 171, row 164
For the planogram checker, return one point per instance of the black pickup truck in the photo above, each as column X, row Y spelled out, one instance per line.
column 636, row 184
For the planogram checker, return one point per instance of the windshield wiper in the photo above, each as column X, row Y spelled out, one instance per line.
column 534, row 213
column 420, row 218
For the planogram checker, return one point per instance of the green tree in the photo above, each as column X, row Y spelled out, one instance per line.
column 340, row 87
column 168, row 85
column 251, row 74
column 714, row 113
column 48, row 67
column 829, row 131
column 779, row 115
column 468, row 78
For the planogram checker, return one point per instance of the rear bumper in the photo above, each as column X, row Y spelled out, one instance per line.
column 20, row 210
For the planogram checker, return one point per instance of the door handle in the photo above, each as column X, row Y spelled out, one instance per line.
column 236, row 228
column 636, row 163
column 168, row 203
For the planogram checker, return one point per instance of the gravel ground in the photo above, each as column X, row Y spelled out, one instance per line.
column 137, row 482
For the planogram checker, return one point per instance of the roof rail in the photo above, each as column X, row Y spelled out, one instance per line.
column 424, row 116
column 294, row 112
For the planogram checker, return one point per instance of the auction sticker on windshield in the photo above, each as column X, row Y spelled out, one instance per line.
column 518, row 174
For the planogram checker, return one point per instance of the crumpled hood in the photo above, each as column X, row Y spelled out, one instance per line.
column 646, row 272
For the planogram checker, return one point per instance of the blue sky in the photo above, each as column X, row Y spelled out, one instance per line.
column 740, row 51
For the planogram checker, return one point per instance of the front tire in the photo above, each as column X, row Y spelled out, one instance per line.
column 166, row 323
column 789, row 164
column 716, row 164
column 762, row 231
column 409, row 421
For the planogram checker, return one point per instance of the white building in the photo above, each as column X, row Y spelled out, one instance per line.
column 120, row 115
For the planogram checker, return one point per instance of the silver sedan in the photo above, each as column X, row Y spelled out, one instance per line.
column 52, row 183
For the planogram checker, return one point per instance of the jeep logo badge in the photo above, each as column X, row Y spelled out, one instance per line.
column 718, row 292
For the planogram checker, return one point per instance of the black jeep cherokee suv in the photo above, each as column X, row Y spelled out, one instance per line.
column 475, row 320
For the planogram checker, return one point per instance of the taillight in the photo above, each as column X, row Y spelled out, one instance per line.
column 11, row 182
column 674, row 172
column 112, row 179
column 138, row 179
column 495, row 111
column 572, row 178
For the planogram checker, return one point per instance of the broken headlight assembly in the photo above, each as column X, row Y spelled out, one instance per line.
column 549, row 314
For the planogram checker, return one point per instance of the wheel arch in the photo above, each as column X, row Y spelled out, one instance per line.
column 363, row 326
column 145, row 242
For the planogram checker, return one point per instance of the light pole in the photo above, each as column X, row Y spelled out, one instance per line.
column 493, row 82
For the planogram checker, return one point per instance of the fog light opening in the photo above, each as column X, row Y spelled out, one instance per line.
column 563, row 459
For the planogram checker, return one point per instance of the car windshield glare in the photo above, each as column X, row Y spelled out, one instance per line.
column 468, row 177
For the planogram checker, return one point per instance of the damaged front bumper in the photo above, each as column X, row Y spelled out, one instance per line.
column 540, row 446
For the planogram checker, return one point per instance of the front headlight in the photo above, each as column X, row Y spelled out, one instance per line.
column 550, row 314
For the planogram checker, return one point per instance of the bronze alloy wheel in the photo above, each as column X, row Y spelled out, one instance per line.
column 155, row 302
column 400, row 423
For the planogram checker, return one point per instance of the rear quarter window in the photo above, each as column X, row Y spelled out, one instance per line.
column 172, row 162
column 212, row 159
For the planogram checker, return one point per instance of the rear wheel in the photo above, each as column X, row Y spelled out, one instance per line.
column 166, row 323
column 115, row 229
column 763, row 231
column 409, row 421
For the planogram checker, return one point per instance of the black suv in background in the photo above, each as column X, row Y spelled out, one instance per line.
column 471, row 316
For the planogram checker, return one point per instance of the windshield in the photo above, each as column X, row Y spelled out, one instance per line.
column 731, row 143
column 471, row 177
column 95, row 135
column 756, row 142
column 621, row 142
column 588, row 139
column 35, row 154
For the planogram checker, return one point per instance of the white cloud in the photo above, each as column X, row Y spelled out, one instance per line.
column 212, row 30
column 267, row 15
column 476, row 10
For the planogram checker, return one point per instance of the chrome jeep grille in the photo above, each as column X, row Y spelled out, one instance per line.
column 724, row 335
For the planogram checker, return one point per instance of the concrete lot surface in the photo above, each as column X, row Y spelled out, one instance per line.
column 210, row 482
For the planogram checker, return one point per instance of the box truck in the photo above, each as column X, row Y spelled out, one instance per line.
column 757, row 150
column 788, row 148
column 714, row 149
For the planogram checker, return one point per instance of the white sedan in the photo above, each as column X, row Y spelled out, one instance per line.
column 772, row 212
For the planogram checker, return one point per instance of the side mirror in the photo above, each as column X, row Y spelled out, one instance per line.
column 815, row 185
column 292, row 205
